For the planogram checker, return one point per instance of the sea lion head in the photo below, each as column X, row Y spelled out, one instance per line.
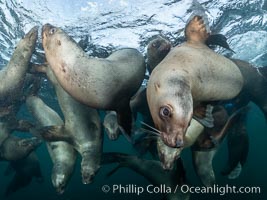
column 171, row 106
column 60, row 176
column 111, row 126
column 90, row 165
column 167, row 155
column 157, row 50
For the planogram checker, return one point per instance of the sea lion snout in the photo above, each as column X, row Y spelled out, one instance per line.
column 32, row 34
column 173, row 140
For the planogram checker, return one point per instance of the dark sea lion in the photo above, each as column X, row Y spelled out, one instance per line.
column 26, row 169
column 62, row 154
column 238, row 148
column 111, row 125
column 191, row 73
column 152, row 171
column 106, row 83
column 13, row 75
column 82, row 129
column 15, row 148
column 157, row 49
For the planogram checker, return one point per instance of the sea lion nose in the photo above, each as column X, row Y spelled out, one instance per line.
column 179, row 143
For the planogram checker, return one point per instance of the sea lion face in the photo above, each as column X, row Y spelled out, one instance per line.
column 171, row 107
column 157, row 50
column 167, row 155
column 60, row 176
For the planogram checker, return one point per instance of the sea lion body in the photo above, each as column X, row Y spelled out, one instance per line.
column 26, row 169
column 82, row 129
column 97, row 82
column 191, row 73
column 12, row 76
column 15, row 148
column 62, row 154
column 238, row 148
column 202, row 162
column 153, row 172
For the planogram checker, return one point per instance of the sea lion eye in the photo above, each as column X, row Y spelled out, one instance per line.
column 52, row 31
column 165, row 111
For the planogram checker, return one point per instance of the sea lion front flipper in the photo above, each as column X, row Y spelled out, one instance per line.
column 24, row 125
column 204, row 117
column 217, row 139
column 51, row 133
column 196, row 31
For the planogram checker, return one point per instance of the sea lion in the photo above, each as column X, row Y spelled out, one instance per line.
column 81, row 129
column 202, row 162
column 13, row 75
column 78, row 129
column 62, row 154
column 238, row 148
column 153, row 172
column 15, row 148
column 106, row 83
column 191, row 73
column 157, row 49
column 26, row 169
column 111, row 125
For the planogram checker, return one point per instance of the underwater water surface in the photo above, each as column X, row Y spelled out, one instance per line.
column 107, row 25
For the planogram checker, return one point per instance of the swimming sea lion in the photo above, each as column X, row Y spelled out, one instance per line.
column 157, row 49
column 99, row 83
column 153, row 172
column 26, row 169
column 81, row 129
column 62, row 154
column 238, row 148
column 111, row 125
column 15, row 148
column 191, row 73
column 12, row 76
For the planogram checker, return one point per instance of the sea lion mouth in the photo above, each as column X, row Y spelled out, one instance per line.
column 172, row 140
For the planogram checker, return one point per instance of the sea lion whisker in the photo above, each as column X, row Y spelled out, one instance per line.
column 149, row 131
column 145, row 124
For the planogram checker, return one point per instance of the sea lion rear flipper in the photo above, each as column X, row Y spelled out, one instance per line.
column 51, row 133
column 235, row 172
column 218, row 39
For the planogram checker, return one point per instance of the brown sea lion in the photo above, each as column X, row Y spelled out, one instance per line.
column 191, row 73
column 100, row 83
column 62, row 154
